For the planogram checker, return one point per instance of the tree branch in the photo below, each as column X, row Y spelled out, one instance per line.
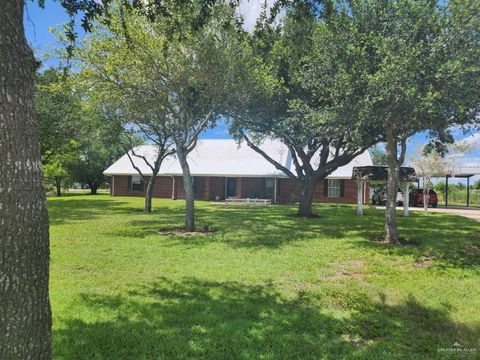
column 269, row 159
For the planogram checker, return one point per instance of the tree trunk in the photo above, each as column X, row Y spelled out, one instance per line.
column 188, row 187
column 149, row 193
column 93, row 188
column 58, row 185
column 391, row 235
column 305, row 201
column 426, row 197
column 25, row 317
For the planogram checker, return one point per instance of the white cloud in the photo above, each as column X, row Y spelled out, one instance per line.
column 250, row 10
column 472, row 141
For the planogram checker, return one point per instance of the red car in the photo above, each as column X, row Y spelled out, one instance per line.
column 416, row 198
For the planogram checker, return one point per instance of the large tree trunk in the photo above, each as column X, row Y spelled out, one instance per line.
column 391, row 235
column 58, row 185
column 25, row 317
column 93, row 188
column 188, row 187
column 305, row 201
column 149, row 192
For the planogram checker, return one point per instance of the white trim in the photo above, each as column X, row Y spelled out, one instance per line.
column 280, row 176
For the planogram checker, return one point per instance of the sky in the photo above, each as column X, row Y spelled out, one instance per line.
column 38, row 21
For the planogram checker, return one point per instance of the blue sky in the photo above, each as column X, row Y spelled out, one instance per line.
column 38, row 21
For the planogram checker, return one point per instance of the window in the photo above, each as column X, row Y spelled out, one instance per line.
column 334, row 188
column 269, row 187
column 231, row 187
column 137, row 183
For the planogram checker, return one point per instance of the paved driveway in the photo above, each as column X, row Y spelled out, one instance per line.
column 472, row 213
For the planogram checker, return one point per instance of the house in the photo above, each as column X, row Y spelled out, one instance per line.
column 223, row 169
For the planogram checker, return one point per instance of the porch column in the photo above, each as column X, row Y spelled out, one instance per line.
column 360, row 197
column 406, row 198
column 113, row 186
column 174, row 192
column 275, row 190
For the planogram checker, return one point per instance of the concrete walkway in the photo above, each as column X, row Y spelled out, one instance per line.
column 472, row 213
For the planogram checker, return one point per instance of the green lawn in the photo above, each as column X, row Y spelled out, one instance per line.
column 265, row 285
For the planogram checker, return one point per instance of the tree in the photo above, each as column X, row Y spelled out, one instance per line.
column 58, row 114
column 171, row 79
column 25, row 316
column 55, row 170
column 164, row 148
column 427, row 166
column 477, row 185
column 411, row 66
column 379, row 156
column 95, row 153
column 282, row 94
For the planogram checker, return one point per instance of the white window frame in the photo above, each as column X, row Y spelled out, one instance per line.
column 334, row 187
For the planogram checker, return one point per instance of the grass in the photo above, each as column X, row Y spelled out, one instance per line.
column 264, row 285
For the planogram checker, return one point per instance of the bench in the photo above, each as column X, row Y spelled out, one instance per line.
column 247, row 201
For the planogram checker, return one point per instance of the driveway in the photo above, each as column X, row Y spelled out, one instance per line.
column 472, row 213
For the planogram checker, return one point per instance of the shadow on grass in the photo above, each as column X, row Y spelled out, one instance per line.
column 65, row 209
column 449, row 241
column 192, row 319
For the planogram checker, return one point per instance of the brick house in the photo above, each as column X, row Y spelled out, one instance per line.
column 223, row 169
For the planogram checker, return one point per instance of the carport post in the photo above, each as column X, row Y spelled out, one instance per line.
column 406, row 198
column 446, row 191
column 468, row 191
column 359, row 197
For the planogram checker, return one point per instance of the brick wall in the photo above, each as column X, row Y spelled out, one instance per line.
column 208, row 188
column 162, row 189
column 288, row 192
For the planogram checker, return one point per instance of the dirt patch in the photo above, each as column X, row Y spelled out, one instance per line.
column 471, row 249
column 354, row 269
column 183, row 232
column 423, row 263
column 312, row 216
column 401, row 242
column 354, row 340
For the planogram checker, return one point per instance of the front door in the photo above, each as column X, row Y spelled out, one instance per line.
column 231, row 187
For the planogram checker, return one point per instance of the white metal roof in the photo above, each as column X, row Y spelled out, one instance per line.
column 212, row 157
column 462, row 170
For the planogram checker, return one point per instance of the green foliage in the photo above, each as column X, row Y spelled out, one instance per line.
column 156, row 77
column 441, row 188
column 410, row 64
column 97, row 150
column 476, row 185
column 379, row 156
column 264, row 285
column 274, row 98
column 58, row 115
